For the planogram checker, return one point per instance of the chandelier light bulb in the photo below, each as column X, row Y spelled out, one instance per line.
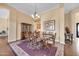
column 36, row 15
column 32, row 16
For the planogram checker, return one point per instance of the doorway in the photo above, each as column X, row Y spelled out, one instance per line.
column 4, row 17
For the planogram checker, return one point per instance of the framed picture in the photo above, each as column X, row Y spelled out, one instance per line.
column 77, row 30
column 49, row 25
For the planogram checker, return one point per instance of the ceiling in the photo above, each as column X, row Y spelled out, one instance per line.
column 29, row 8
column 70, row 6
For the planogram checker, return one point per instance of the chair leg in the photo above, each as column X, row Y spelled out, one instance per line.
column 54, row 41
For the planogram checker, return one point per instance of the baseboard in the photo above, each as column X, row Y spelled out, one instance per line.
column 57, row 41
column 62, row 42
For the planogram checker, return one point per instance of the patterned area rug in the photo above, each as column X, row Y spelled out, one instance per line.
column 21, row 48
column 37, row 51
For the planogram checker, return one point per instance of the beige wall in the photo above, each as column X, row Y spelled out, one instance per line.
column 18, row 19
column 57, row 15
column 53, row 14
column 71, row 19
column 15, row 19
column 68, row 20
column 61, row 22
column 22, row 18
column 75, row 19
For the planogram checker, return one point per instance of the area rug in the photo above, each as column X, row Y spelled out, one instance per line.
column 42, row 51
column 21, row 49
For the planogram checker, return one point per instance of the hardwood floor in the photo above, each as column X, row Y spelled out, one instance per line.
column 72, row 49
column 69, row 49
column 5, row 50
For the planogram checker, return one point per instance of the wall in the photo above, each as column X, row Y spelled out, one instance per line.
column 53, row 14
column 22, row 18
column 61, row 22
column 75, row 19
column 12, row 26
column 19, row 18
column 15, row 19
column 68, row 20
column 57, row 15
column 71, row 19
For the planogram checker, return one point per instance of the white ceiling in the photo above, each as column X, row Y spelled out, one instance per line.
column 70, row 6
column 29, row 8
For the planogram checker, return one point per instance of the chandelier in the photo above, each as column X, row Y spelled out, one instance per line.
column 35, row 15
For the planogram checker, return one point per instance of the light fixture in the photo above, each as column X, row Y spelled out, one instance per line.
column 35, row 15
